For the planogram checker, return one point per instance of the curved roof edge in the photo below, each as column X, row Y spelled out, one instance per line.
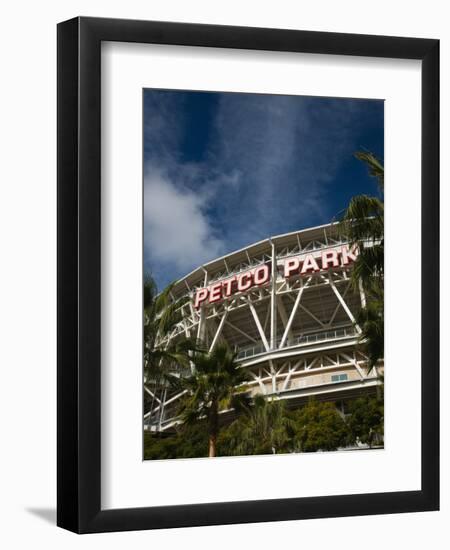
column 204, row 267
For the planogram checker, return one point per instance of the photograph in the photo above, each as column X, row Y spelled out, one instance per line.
column 263, row 274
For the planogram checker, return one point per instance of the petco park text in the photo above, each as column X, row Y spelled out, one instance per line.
column 292, row 266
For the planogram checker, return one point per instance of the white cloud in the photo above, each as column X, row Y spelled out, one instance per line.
column 178, row 233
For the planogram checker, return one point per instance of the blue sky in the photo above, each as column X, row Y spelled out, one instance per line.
column 223, row 170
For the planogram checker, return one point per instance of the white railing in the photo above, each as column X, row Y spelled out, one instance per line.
column 300, row 340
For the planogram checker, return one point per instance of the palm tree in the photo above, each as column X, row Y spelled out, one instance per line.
column 215, row 384
column 161, row 314
column 363, row 225
column 263, row 430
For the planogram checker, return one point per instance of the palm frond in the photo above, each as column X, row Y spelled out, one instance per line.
column 362, row 224
column 376, row 168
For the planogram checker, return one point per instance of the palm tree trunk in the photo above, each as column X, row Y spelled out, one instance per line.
column 213, row 429
column 212, row 445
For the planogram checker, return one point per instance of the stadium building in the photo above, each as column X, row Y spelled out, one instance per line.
column 286, row 305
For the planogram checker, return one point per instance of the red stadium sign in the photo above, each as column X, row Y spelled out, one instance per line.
column 291, row 267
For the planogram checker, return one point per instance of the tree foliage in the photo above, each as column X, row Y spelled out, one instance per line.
column 366, row 420
column 188, row 442
column 268, row 427
column 318, row 427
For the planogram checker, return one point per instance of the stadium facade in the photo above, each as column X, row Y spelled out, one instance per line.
column 287, row 306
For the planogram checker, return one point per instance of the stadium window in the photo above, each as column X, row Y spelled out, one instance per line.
column 339, row 377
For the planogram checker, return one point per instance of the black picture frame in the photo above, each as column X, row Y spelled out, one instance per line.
column 79, row 280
